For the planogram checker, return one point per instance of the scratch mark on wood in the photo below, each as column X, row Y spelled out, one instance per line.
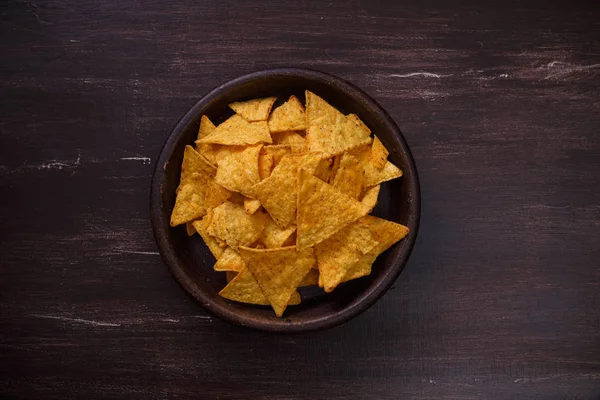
column 149, row 253
column 145, row 160
column 423, row 74
column 51, row 164
column 76, row 320
column 561, row 69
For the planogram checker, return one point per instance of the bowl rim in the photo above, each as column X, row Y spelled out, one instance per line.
column 368, row 298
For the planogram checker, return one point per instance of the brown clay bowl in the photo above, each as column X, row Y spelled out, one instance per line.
column 191, row 263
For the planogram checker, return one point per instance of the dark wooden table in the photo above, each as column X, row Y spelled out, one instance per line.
column 501, row 107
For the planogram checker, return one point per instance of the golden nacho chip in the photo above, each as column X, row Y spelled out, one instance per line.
column 291, row 241
column 195, row 162
column 273, row 236
column 238, row 168
column 247, row 290
column 201, row 227
column 370, row 197
column 230, row 260
column 277, row 193
column 296, row 142
column 277, row 152
column 375, row 176
column 288, row 117
column 206, row 127
column 311, row 278
column 236, row 131
column 189, row 228
column 255, row 109
column 232, row 224
column 321, row 113
column 189, row 203
column 386, row 233
column 265, row 165
column 337, row 254
column 323, row 169
column 278, row 272
column 323, row 210
column 251, row 205
column 349, row 176
column 379, row 153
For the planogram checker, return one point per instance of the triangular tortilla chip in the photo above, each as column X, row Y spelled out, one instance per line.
column 255, row 109
column 288, row 117
column 278, row 272
column 231, row 224
column 201, row 227
column 206, row 127
column 230, row 260
column 337, row 254
column 251, row 205
column 375, row 176
column 277, row 193
column 311, row 278
column 323, row 210
column 265, row 165
column 370, row 197
column 290, row 138
column 349, row 176
column 273, row 236
column 189, row 203
column 379, row 153
column 194, row 162
column 245, row 289
column 238, row 168
column 236, row 131
column 329, row 131
column 386, row 233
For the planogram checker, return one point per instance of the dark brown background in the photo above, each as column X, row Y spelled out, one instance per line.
column 500, row 104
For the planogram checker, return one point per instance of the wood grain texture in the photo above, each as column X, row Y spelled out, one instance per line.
column 500, row 104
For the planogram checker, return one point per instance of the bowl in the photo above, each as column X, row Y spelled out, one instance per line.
column 190, row 261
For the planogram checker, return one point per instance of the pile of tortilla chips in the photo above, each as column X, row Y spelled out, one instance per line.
column 281, row 198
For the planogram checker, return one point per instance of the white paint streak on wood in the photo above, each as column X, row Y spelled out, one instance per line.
column 76, row 320
column 51, row 164
column 423, row 74
column 144, row 160
column 148, row 253
column 561, row 69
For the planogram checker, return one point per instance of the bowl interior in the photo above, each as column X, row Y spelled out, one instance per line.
column 190, row 260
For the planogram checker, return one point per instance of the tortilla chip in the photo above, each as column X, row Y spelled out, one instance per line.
column 323, row 169
column 337, row 254
column 323, row 210
column 370, row 197
column 278, row 272
column 254, row 110
column 329, row 131
column 236, row 131
column 194, row 162
column 321, row 113
column 290, row 138
column 278, row 192
column 246, row 290
column 231, row 224
column 386, row 233
column 273, row 236
column 379, row 153
column 265, row 165
column 291, row 241
column 189, row 203
column 288, row 117
column 189, row 228
column 277, row 152
column 349, row 176
column 251, row 205
column 311, row 278
column 201, row 227
column 206, row 127
column 375, row 176
column 238, row 168
column 230, row 260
